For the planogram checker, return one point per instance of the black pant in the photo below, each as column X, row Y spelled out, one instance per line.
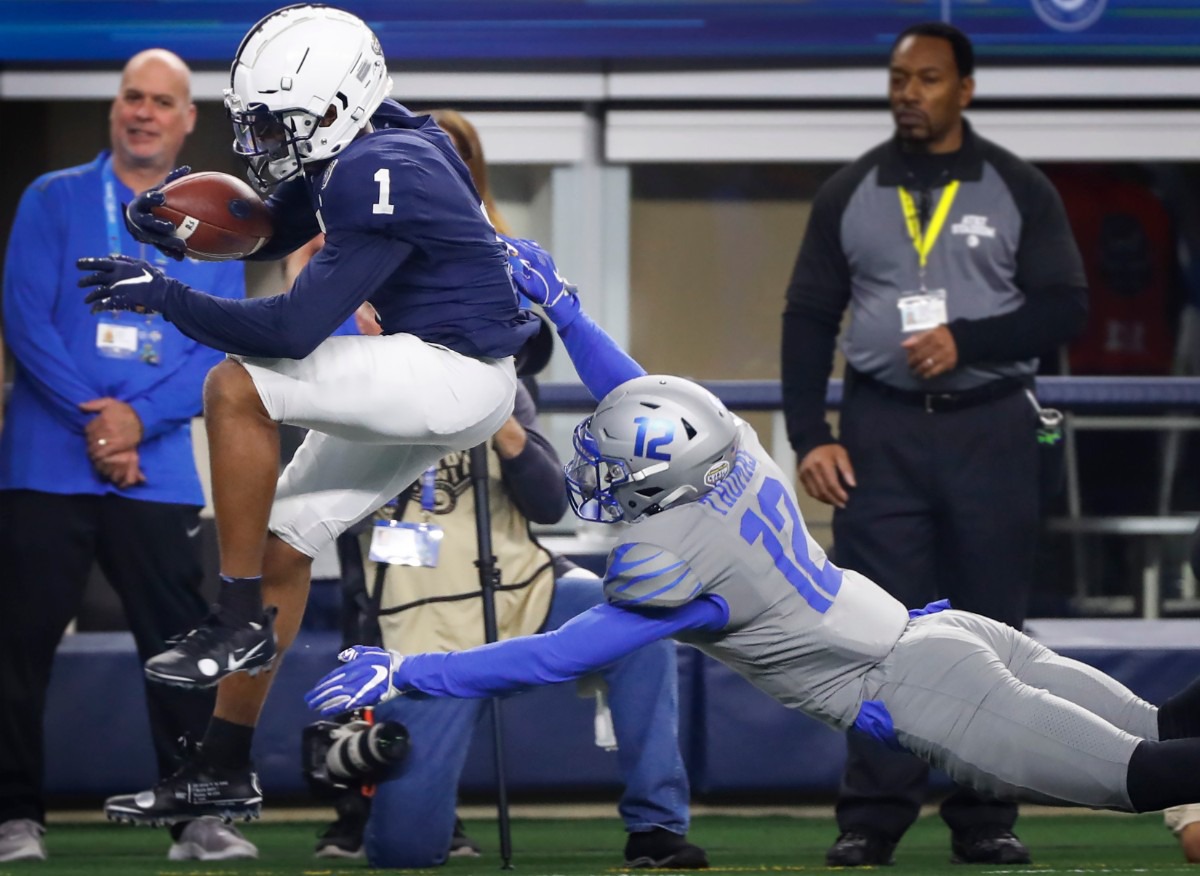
column 150, row 553
column 946, row 507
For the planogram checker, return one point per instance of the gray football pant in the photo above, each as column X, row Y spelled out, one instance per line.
column 1007, row 716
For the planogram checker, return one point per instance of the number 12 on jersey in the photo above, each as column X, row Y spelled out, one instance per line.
column 818, row 585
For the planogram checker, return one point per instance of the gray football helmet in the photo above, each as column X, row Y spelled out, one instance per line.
column 654, row 442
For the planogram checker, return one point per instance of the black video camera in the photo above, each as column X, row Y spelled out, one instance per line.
column 337, row 755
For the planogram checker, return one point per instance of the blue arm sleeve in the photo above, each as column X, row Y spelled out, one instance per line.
column 601, row 364
column 176, row 397
column 31, row 295
column 587, row 642
column 339, row 278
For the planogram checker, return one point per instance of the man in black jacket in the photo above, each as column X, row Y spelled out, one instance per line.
column 958, row 265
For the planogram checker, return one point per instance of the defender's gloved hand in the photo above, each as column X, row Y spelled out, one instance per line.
column 123, row 283
column 365, row 680
column 537, row 277
column 148, row 228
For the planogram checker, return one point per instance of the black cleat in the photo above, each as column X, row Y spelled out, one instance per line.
column 988, row 845
column 860, row 847
column 344, row 838
column 461, row 845
column 195, row 790
column 659, row 849
column 214, row 650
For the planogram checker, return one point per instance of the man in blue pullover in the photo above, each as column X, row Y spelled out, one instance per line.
column 96, row 461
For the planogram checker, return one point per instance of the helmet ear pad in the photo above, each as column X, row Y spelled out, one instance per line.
column 318, row 73
column 675, row 440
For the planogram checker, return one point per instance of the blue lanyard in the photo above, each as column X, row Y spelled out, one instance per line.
column 112, row 220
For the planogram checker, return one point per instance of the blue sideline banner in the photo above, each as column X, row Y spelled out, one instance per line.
column 535, row 34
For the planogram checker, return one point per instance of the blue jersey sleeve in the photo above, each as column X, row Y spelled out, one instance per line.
column 330, row 288
column 600, row 362
column 584, row 644
column 31, row 296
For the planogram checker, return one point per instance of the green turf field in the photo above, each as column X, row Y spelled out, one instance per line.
column 1060, row 844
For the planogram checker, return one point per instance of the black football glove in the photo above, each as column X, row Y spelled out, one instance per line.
column 123, row 283
column 148, row 228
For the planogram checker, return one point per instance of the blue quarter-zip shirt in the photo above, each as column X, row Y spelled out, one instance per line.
column 52, row 335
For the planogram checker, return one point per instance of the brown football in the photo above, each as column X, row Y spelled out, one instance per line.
column 217, row 215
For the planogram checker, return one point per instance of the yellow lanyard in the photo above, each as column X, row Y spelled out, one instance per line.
column 923, row 241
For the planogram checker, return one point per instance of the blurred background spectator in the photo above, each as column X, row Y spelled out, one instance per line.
column 96, row 462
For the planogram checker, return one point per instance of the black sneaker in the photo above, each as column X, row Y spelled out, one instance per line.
column 659, row 848
column 860, row 847
column 988, row 845
column 195, row 790
column 461, row 845
column 214, row 650
column 344, row 838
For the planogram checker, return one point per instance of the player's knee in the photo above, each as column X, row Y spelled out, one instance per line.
column 230, row 387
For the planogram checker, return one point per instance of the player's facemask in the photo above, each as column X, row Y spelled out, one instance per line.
column 593, row 477
column 273, row 144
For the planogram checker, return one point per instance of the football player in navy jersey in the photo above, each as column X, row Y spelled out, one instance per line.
column 405, row 230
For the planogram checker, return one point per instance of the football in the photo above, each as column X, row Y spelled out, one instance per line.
column 217, row 215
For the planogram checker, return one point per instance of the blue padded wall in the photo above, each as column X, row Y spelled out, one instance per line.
column 734, row 738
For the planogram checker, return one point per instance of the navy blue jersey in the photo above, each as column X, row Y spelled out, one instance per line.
column 405, row 229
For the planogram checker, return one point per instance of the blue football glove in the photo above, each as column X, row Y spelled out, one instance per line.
column 148, row 228
column 537, row 278
column 365, row 680
column 123, row 283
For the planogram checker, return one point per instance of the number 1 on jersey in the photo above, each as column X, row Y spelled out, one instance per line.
column 383, row 176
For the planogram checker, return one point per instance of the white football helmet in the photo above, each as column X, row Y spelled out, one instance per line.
column 304, row 82
column 654, row 442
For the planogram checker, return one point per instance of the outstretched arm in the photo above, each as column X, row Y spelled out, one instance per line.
column 329, row 289
column 601, row 363
column 587, row 642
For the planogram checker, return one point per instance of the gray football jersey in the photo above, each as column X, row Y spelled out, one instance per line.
column 800, row 629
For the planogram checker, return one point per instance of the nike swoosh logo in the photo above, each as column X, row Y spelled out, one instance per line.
column 381, row 673
column 236, row 663
column 146, row 277
column 192, row 532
